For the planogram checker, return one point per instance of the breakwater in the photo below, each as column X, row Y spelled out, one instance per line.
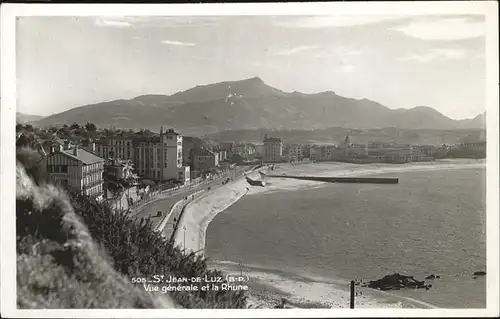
column 366, row 180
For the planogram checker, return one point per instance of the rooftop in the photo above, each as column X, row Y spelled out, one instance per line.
column 171, row 131
column 272, row 140
column 203, row 152
column 83, row 156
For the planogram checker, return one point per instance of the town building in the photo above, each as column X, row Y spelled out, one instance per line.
column 76, row 169
column 160, row 157
column 155, row 157
column 245, row 150
column 204, row 159
column 324, row 152
column 118, row 147
column 428, row 150
column 474, row 145
column 222, row 154
column 273, row 149
column 293, row 153
column 259, row 151
column 400, row 157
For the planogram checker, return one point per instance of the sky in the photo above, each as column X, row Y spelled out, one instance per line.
column 398, row 61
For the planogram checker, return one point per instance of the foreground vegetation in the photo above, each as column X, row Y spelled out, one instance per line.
column 74, row 252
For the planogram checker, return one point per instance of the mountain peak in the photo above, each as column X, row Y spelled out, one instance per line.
column 254, row 79
column 424, row 109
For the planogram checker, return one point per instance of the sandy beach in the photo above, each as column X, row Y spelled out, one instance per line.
column 268, row 287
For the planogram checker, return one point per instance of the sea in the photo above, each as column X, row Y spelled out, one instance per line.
column 432, row 222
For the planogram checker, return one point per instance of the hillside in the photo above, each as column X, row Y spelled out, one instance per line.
column 22, row 118
column 251, row 104
column 478, row 121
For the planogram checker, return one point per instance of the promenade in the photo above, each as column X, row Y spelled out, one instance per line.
column 165, row 201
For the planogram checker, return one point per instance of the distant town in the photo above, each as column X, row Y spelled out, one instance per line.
column 104, row 162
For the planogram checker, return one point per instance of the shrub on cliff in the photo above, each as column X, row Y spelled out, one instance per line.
column 139, row 251
column 74, row 252
column 58, row 263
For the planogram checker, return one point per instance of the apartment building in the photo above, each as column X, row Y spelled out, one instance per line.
column 244, row 150
column 160, row 157
column 77, row 169
column 324, row 152
column 118, row 147
column 273, row 149
column 399, row 157
column 293, row 153
column 156, row 157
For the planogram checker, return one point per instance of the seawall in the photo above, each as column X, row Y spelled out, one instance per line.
column 177, row 208
column 198, row 213
column 367, row 180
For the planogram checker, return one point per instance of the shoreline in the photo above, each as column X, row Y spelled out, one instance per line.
column 267, row 288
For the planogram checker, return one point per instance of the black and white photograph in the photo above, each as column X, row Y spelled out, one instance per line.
column 276, row 159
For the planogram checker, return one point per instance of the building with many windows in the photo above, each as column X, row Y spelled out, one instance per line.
column 324, row 152
column 204, row 159
column 76, row 169
column 156, row 157
column 273, row 149
column 121, row 147
column 294, row 153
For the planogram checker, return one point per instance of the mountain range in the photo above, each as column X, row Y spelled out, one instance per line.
column 251, row 104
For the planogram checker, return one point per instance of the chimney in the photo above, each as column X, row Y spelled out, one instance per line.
column 75, row 151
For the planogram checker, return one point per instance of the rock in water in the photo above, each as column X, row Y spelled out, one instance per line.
column 396, row 282
column 479, row 273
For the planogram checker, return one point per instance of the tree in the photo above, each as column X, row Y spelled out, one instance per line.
column 65, row 131
column 53, row 129
column 30, row 159
column 74, row 126
column 237, row 159
column 19, row 127
column 23, row 141
column 90, row 127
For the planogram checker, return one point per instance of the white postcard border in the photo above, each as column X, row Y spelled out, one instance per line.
column 8, row 110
